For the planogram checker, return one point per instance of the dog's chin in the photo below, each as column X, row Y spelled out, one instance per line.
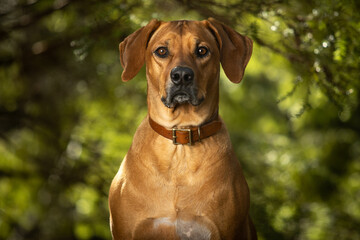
column 181, row 99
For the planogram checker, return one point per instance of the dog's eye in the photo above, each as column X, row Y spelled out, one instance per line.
column 202, row 51
column 162, row 52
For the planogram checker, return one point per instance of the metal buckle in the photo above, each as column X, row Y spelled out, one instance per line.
column 181, row 130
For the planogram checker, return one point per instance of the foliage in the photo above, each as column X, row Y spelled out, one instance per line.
column 66, row 120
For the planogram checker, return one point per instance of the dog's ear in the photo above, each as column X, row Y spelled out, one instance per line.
column 132, row 50
column 235, row 49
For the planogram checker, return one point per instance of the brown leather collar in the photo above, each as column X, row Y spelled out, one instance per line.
column 187, row 135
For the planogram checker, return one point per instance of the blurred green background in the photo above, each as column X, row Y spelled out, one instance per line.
column 67, row 120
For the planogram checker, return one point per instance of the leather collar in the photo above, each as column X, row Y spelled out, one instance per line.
column 187, row 135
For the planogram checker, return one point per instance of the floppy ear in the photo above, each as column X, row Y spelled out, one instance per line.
column 132, row 50
column 235, row 50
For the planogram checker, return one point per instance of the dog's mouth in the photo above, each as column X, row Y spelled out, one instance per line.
column 179, row 97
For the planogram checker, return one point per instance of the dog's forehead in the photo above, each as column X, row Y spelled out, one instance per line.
column 179, row 30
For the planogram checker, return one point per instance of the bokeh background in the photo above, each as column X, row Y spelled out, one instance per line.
column 67, row 120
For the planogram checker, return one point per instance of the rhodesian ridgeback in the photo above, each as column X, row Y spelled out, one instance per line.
column 180, row 178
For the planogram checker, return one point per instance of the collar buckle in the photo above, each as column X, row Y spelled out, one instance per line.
column 174, row 137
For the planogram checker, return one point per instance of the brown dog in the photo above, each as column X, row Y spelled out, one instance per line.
column 180, row 178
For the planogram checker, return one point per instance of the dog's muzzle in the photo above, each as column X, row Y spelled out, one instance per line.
column 182, row 88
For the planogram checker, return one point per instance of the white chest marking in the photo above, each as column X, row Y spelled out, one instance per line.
column 186, row 230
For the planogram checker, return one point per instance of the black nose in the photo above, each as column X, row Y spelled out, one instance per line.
column 182, row 75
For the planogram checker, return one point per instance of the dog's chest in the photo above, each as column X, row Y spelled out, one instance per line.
column 184, row 166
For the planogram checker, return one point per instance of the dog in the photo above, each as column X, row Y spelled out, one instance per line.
column 180, row 178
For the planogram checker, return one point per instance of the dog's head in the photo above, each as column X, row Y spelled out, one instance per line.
column 183, row 58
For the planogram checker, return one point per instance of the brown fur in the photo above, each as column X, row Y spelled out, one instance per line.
column 167, row 191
